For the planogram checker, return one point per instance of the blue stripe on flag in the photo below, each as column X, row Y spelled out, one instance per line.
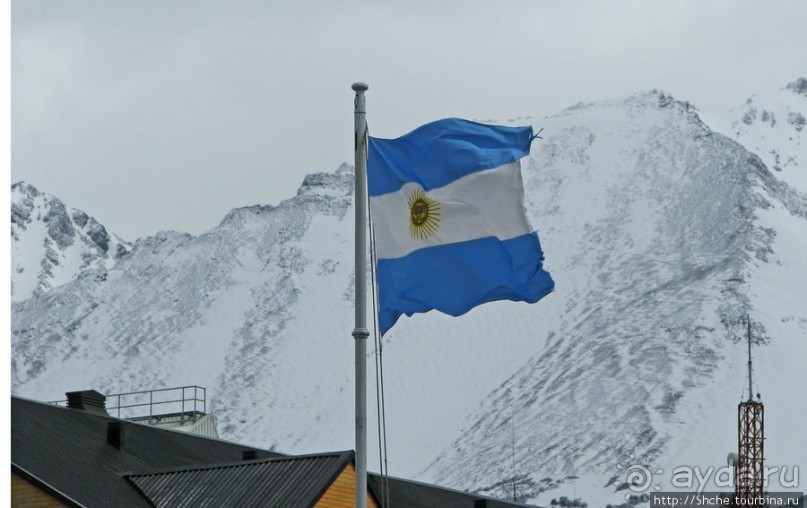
column 442, row 151
column 454, row 278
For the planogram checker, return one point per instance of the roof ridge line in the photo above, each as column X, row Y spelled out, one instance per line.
column 347, row 454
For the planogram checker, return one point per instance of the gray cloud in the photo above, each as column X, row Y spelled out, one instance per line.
column 164, row 115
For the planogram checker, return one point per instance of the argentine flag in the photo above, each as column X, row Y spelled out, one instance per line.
column 451, row 232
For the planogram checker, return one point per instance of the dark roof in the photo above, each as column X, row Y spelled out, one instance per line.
column 421, row 495
column 289, row 481
column 65, row 451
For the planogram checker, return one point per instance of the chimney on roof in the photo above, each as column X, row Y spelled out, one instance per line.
column 114, row 434
column 249, row 455
column 481, row 503
column 87, row 400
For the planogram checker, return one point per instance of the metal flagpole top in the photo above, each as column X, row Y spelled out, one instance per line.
column 360, row 87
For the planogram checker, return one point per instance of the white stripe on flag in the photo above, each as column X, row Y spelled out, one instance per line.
column 482, row 204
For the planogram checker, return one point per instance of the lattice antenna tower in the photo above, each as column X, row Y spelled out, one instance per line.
column 749, row 475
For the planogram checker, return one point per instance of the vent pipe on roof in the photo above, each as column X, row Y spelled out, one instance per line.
column 114, row 434
column 249, row 455
column 87, row 400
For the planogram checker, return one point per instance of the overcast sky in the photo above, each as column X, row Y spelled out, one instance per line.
column 165, row 114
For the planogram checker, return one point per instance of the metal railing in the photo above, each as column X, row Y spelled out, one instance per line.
column 185, row 402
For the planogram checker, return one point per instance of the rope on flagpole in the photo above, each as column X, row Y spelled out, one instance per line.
column 379, row 373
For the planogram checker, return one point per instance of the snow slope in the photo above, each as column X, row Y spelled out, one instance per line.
column 672, row 234
column 661, row 235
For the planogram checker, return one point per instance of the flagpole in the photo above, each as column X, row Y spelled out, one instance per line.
column 360, row 332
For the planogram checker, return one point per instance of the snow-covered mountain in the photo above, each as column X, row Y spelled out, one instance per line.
column 52, row 243
column 774, row 126
column 680, row 233
column 661, row 235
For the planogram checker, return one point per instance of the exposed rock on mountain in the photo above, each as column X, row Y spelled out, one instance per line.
column 662, row 236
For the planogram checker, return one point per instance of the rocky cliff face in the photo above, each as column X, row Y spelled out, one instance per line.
column 52, row 243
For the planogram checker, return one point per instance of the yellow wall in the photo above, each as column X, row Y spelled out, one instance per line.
column 342, row 492
column 25, row 494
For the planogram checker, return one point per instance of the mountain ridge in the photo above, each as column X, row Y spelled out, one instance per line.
column 654, row 225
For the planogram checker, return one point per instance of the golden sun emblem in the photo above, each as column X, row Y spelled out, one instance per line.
column 424, row 215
